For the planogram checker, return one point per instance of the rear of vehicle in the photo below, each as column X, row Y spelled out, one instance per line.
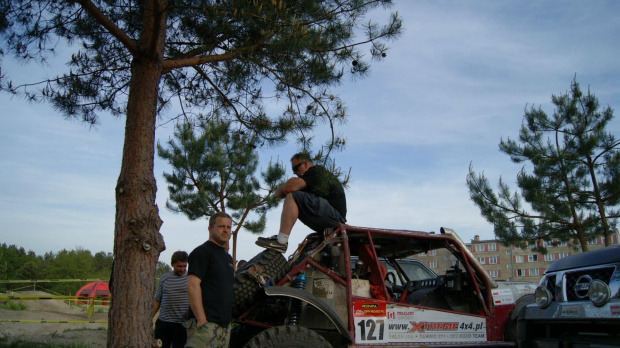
column 577, row 303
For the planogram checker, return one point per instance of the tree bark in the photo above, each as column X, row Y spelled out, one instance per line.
column 137, row 241
column 599, row 201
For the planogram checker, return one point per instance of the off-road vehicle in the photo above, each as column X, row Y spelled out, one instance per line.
column 336, row 291
column 577, row 303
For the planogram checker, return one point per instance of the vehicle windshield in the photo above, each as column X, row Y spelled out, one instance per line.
column 416, row 270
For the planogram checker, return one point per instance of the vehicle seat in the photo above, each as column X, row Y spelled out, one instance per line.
column 377, row 269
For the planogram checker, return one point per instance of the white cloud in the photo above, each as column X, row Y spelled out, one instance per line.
column 461, row 73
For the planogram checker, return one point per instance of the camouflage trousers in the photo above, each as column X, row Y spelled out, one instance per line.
column 208, row 335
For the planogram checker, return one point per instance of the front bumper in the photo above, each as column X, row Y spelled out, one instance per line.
column 570, row 324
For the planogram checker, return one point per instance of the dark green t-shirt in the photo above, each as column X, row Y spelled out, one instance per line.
column 323, row 183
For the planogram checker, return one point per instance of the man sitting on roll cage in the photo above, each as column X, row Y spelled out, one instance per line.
column 316, row 197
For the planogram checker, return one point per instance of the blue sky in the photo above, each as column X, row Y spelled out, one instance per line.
column 455, row 83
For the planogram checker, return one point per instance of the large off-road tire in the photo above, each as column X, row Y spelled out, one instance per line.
column 245, row 288
column 510, row 334
column 288, row 336
column 241, row 334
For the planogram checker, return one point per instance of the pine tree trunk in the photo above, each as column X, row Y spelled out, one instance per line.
column 583, row 242
column 599, row 202
column 137, row 241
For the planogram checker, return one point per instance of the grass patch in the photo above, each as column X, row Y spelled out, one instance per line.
column 6, row 342
column 79, row 306
column 13, row 306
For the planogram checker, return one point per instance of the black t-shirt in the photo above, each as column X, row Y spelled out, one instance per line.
column 213, row 265
column 323, row 183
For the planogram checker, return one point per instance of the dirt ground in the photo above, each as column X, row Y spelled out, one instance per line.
column 93, row 335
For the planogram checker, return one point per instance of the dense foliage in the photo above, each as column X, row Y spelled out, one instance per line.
column 18, row 264
column 267, row 66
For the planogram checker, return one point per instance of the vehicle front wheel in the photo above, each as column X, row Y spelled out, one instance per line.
column 288, row 336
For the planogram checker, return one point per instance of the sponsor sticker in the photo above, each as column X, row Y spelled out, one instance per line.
column 502, row 296
column 408, row 324
column 323, row 288
column 369, row 309
column 370, row 321
column 525, row 289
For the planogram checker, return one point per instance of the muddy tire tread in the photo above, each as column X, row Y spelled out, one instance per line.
column 288, row 336
column 245, row 288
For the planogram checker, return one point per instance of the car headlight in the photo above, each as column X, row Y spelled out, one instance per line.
column 599, row 293
column 543, row 297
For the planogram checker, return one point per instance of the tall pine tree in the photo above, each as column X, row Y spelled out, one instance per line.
column 214, row 170
column 574, row 187
column 134, row 58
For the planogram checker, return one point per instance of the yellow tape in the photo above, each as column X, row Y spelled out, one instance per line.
column 54, row 321
column 50, row 281
column 32, row 297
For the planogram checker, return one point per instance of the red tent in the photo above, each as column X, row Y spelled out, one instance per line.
column 98, row 289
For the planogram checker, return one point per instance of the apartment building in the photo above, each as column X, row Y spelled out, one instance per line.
column 514, row 262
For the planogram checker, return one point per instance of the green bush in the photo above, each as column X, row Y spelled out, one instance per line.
column 13, row 306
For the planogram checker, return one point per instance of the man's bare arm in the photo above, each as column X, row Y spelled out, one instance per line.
column 194, row 295
column 293, row 184
column 156, row 305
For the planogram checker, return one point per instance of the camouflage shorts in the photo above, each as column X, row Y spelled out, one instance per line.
column 208, row 335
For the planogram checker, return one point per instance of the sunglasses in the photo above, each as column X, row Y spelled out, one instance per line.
column 295, row 167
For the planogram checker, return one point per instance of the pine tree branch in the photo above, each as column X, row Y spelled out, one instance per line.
column 192, row 59
column 112, row 28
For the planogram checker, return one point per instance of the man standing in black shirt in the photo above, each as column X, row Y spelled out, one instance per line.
column 316, row 197
column 210, row 287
